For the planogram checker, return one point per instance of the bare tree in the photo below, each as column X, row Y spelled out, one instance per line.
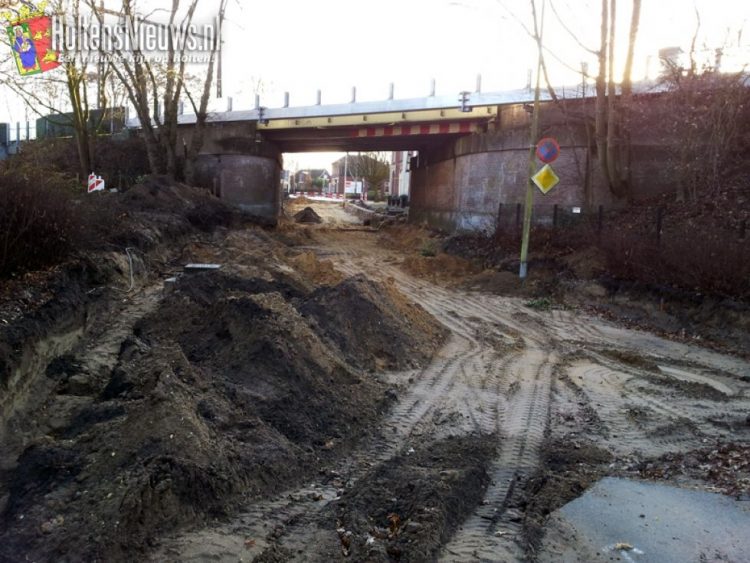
column 46, row 94
column 201, row 108
column 155, row 90
column 706, row 112
column 374, row 168
column 611, row 115
column 611, row 126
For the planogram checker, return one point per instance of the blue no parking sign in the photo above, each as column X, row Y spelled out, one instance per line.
column 547, row 150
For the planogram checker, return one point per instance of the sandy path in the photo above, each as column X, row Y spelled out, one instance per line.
column 495, row 375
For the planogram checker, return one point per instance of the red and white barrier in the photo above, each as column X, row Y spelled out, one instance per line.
column 95, row 183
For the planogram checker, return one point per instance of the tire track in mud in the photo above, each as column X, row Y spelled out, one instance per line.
column 567, row 331
column 605, row 393
column 669, row 428
column 456, row 390
column 592, row 331
column 616, row 391
column 522, row 420
column 639, row 419
column 490, row 533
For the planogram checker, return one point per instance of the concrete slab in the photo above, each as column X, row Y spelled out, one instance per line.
column 625, row 520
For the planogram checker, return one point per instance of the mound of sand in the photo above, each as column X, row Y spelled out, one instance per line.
column 320, row 272
column 374, row 325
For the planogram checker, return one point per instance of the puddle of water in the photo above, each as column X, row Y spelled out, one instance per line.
column 641, row 521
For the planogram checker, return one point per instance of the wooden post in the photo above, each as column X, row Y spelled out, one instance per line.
column 499, row 216
column 518, row 215
column 554, row 215
column 600, row 220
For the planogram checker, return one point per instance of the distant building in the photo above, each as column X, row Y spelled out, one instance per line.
column 317, row 179
column 400, row 172
column 345, row 164
column 286, row 180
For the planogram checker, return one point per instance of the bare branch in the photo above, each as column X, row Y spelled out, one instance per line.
column 570, row 32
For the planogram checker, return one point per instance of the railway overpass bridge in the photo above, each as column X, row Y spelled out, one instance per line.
column 241, row 155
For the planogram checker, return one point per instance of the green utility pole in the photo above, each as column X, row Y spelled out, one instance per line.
column 533, row 138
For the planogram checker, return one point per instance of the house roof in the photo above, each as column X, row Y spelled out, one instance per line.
column 315, row 173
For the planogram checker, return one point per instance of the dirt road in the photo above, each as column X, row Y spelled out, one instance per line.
column 520, row 392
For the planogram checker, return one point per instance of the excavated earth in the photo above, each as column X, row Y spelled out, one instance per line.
column 328, row 393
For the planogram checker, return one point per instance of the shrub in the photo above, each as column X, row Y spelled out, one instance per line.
column 714, row 262
column 38, row 224
column 121, row 162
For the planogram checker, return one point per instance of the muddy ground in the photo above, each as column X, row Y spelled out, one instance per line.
column 334, row 392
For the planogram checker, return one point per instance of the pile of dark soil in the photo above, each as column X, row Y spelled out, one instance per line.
column 408, row 507
column 146, row 221
column 373, row 324
column 235, row 384
column 177, row 209
column 225, row 391
column 307, row 215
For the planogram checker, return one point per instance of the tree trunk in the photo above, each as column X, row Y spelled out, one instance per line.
column 169, row 137
column 80, row 121
column 626, row 98
column 201, row 109
column 613, row 142
column 601, row 96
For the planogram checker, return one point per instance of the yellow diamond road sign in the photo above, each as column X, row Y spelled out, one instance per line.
column 545, row 179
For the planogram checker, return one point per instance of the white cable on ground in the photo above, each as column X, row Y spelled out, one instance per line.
column 130, row 263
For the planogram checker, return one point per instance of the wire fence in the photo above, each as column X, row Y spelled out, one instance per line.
column 696, row 248
column 650, row 222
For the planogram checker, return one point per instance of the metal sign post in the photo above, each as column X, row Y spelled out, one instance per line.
column 529, row 204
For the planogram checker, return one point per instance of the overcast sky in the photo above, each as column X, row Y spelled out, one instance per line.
column 301, row 46
column 332, row 45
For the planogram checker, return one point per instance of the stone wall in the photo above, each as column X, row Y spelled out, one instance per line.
column 240, row 167
column 250, row 182
column 461, row 185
